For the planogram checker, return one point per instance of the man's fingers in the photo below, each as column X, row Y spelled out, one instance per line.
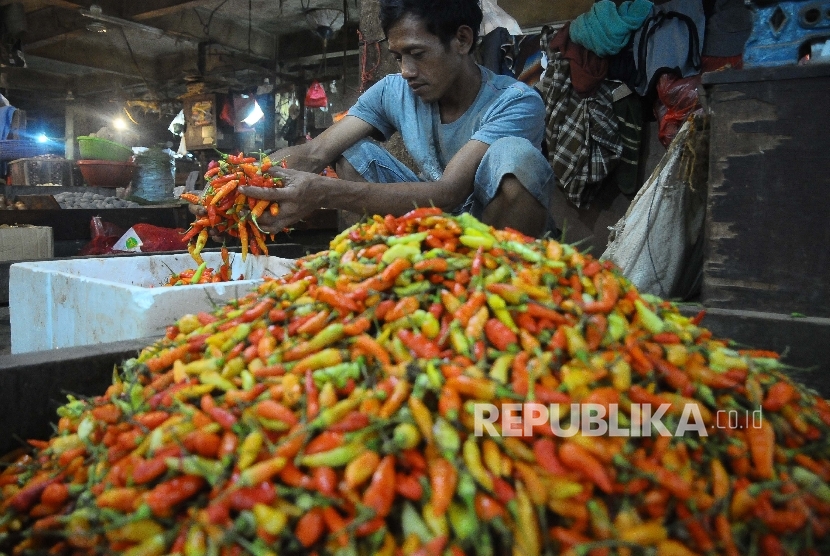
column 267, row 193
column 197, row 210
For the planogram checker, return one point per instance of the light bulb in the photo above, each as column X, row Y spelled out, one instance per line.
column 254, row 115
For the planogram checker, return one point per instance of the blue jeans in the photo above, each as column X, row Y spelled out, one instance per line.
column 508, row 155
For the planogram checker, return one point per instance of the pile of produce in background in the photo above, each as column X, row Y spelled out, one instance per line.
column 90, row 200
column 332, row 412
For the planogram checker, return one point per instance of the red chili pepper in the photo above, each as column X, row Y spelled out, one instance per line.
column 245, row 498
column 488, row 508
column 353, row 421
column 579, row 459
column 310, row 527
column 409, row 487
column 443, row 478
column 761, row 441
column 545, row 451
column 503, row 491
column 325, row 480
column 499, row 334
column 419, row 344
column 325, row 441
column 169, row 493
column 380, row 493
column 312, row 401
column 269, row 409
column 780, row 394
column 336, row 299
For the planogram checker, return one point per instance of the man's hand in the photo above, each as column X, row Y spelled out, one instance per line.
column 296, row 198
column 200, row 212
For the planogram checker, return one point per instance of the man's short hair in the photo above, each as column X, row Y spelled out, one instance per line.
column 442, row 17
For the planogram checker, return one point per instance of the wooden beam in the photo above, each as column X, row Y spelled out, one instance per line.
column 225, row 32
column 32, row 80
column 532, row 13
column 152, row 9
column 51, row 25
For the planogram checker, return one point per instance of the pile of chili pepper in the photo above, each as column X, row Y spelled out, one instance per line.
column 203, row 274
column 333, row 412
column 228, row 210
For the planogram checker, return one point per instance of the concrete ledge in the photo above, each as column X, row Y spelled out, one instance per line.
column 804, row 341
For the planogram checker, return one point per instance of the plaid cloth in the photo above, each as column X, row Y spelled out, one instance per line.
column 582, row 134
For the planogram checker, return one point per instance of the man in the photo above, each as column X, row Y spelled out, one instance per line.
column 475, row 136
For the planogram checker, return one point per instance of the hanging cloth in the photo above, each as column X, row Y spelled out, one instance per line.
column 582, row 134
column 606, row 28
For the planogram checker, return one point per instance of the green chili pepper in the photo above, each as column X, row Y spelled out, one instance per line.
column 649, row 318
column 240, row 333
column 413, row 524
column 216, row 379
column 498, row 275
column 523, row 251
column 446, row 436
column 406, row 436
column 413, row 289
column 617, row 328
column 458, row 339
column 811, row 482
column 327, row 336
column 400, row 251
column 463, row 520
column 336, row 457
column 338, row 374
column 409, row 238
column 198, row 274
column 211, row 470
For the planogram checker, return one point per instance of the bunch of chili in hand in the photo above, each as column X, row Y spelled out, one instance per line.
column 227, row 210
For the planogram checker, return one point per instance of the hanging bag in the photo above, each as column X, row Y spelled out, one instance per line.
column 316, row 97
column 670, row 40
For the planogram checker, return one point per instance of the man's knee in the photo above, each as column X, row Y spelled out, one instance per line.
column 515, row 207
column 345, row 170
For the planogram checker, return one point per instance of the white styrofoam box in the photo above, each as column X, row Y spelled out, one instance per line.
column 76, row 302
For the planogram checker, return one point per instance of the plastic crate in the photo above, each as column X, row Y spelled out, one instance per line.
column 96, row 148
column 40, row 170
column 21, row 148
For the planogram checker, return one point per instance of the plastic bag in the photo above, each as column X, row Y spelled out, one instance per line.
column 677, row 100
column 495, row 17
column 104, row 236
column 316, row 97
column 655, row 243
column 147, row 238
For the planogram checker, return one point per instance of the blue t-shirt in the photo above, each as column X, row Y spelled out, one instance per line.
column 504, row 107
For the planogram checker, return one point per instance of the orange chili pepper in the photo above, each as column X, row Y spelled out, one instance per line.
column 443, row 478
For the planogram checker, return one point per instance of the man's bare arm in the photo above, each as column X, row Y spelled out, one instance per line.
column 303, row 192
column 324, row 149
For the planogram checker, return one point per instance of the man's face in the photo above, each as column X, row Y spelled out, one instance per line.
column 428, row 66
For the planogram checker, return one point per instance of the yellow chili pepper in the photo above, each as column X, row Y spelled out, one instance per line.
column 648, row 533
column 249, row 449
column 527, row 527
column 472, row 459
column 422, row 417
